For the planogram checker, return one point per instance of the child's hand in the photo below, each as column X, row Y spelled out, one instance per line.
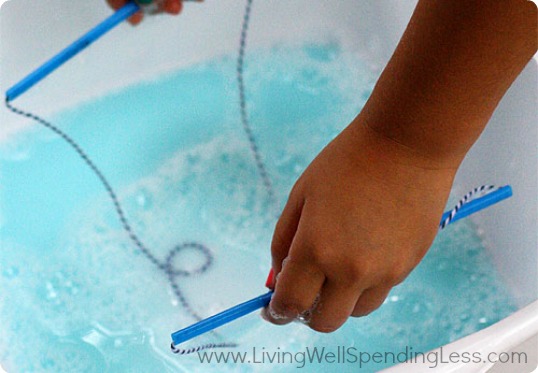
column 168, row 6
column 357, row 222
column 366, row 210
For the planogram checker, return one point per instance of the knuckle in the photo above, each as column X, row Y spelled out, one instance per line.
column 295, row 189
column 288, row 305
column 372, row 307
column 355, row 272
column 296, row 265
column 294, row 308
column 358, row 271
column 287, row 308
column 317, row 254
column 346, row 271
column 393, row 278
column 324, row 256
column 277, row 243
column 366, row 309
column 396, row 274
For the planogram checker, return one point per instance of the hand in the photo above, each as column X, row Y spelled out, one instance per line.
column 167, row 6
column 357, row 222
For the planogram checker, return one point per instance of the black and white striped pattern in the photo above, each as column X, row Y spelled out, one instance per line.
column 167, row 266
column 262, row 169
column 188, row 351
column 481, row 190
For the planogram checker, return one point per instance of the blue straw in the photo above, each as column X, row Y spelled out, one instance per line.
column 58, row 60
column 222, row 318
column 481, row 203
column 261, row 301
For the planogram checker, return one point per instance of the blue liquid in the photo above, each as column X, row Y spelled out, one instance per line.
column 77, row 296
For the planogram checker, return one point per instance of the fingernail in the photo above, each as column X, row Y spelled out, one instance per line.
column 269, row 283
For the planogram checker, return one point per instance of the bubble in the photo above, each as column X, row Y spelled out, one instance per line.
column 51, row 293
column 323, row 53
column 143, row 199
column 10, row 272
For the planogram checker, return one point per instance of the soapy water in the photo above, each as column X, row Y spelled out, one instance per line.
column 78, row 296
column 168, row 265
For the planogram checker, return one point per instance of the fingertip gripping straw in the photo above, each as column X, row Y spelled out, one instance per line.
column 270, row 278
column 465, row 209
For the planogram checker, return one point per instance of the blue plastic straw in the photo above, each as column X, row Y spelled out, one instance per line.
column 222, row 318
column 58, row 60
column 261, row 301
column 481, row 203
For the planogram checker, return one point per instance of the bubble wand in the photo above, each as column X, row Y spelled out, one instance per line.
column 465, row 207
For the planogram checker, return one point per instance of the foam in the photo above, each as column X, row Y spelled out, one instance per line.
column 85, row 299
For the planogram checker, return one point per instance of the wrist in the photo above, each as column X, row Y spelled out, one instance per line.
column 423, row 157
column 396, row 163
column 424, row 138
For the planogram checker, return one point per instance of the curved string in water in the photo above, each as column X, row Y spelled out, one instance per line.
column 172, row 273
column 166, row 266
column 260, row 165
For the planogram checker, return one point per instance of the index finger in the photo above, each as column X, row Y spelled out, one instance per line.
column 117, row 4
column 296, row 291
column 297, row 286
